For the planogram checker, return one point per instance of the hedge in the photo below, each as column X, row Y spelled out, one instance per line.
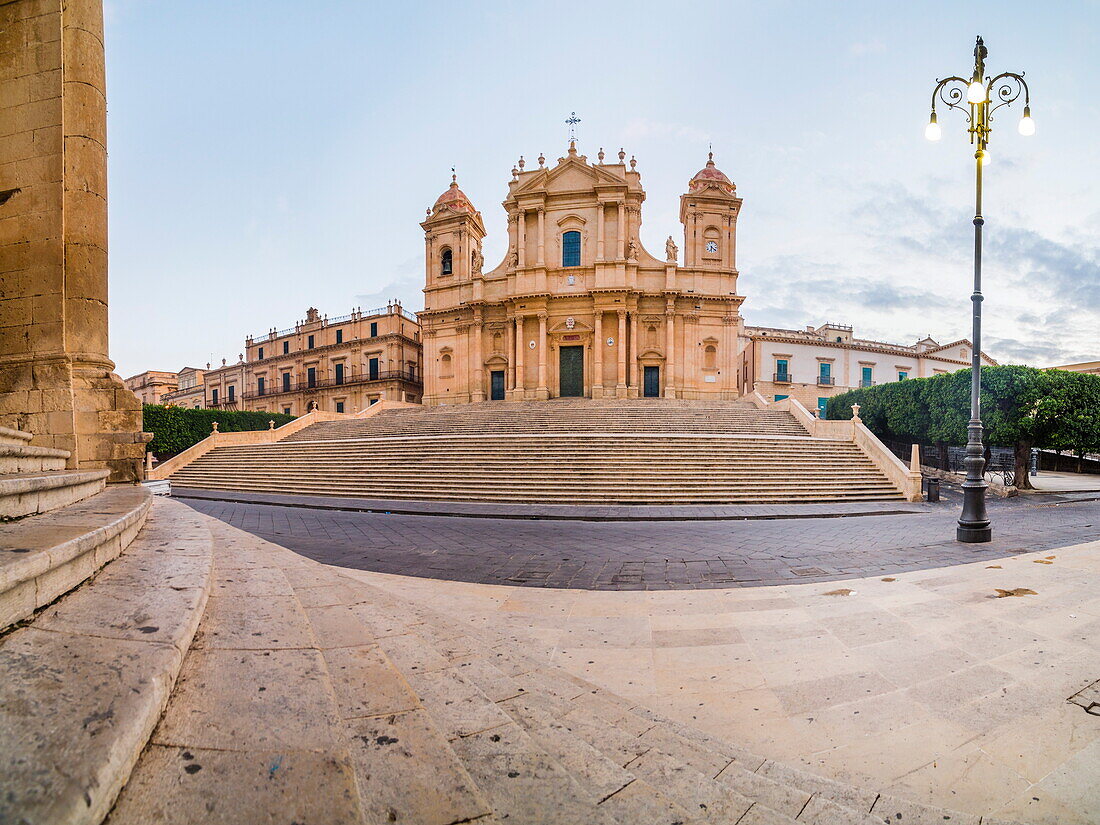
column 175, row 429
column 1022, row 408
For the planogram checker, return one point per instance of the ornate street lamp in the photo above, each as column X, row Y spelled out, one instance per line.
column 978, row 97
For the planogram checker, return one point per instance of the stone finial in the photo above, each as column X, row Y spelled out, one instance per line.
column 914, row 465
column 600, row 154
column 521, row 163
column 223, row 362
column 622, row 155
column 271, row 424
column 240, row 356
column 148, row 463
column 633, row 163
column 428, row 212
column 855, row 413
column 542, row 160
column 215, row 427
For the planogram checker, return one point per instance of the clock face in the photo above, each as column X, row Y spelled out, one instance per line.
column 712, row 246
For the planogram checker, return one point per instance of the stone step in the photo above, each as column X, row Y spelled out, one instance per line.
column 29, row 494
column 42, row 557
column 84, row 684
column 17, row 437
column 25, row 458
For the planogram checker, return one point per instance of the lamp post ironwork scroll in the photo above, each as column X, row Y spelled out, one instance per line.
column 978, row 98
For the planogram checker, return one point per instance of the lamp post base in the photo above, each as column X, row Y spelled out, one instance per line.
column 974, row 535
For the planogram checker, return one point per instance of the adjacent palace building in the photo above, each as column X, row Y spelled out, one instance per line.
column 337, row 364
column 577, row 308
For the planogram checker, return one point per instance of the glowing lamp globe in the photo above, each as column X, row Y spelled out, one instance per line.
column 1027, row 125
column 975, row 92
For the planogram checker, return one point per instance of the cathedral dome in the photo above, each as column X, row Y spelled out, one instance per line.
column 454, row 199
column 710, row 175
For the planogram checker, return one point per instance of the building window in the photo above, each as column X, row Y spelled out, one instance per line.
column 286, row 410
column 311, row 376
column 286, row 347
column 782, row 369
column 339, row 336
column 260, row 388
column 260, row 354
column 373, row 401
column 232, row 393
column 781, row 397
column 447, row 267
column 867, row 377
column 339, row 406
column 822, row 404
column 372, row 367
column 214, row 396
column 339, row 375
column 902, row 375
column 373, row 329
column 309, row 342
column 286, row 382
column 571, row 248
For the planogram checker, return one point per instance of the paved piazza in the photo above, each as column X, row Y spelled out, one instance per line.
column 662, row 555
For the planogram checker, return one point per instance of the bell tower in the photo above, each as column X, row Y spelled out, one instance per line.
column 708, row 212
column 453, row 232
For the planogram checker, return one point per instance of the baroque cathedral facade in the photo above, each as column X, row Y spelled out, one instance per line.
column 578, row 307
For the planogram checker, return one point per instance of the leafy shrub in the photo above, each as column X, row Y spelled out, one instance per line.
column 1022, row 407
column 175, row 429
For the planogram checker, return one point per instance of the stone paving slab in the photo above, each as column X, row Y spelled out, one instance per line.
column 657, row 555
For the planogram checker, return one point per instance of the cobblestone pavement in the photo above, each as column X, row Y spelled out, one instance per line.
column 660, row 555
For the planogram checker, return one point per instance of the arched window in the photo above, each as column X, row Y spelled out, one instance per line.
column 710, row 357
column 571, row 248
column 446, row 268
column 445, row 370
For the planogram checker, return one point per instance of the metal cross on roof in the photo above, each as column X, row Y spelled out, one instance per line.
column 573, row 120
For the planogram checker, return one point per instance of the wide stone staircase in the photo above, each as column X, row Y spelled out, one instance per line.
column 657, row 452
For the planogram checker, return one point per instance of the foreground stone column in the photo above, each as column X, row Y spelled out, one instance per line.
column 56, row 380
column 597, row 354
column 620, row 349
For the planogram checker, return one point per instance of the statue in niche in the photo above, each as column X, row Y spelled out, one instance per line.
column 513, row 259
column 671, row 250
column 632, row 250
column 477, row 261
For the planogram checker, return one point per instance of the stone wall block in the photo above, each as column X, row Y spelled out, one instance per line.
column 84, row 57
column 85, row 14
column 46, row 337
column 19, row 227
column 86, row 262
column 29, row 8
column 84, row 112
column 39, row 114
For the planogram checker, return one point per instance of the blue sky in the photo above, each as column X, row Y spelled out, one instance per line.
column 267, row 157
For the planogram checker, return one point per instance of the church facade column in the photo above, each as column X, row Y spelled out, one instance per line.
column 510, row 353
column 597, row 354
column 542, row 237
column 620, row 232
column 632, row 355
column 478, row 388
column 521, row 237
column 541, row 392
column 620, row 349
column 521, row 346
column 599, row 231
column 670, row 351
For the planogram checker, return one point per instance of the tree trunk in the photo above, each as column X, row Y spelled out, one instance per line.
column 1023, row 466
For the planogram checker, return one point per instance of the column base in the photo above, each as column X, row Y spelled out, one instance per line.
column 478, row 396
column 973, row 535
column 620, row 390
column 670, row 392
column 542, row 394
column 597, row 391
